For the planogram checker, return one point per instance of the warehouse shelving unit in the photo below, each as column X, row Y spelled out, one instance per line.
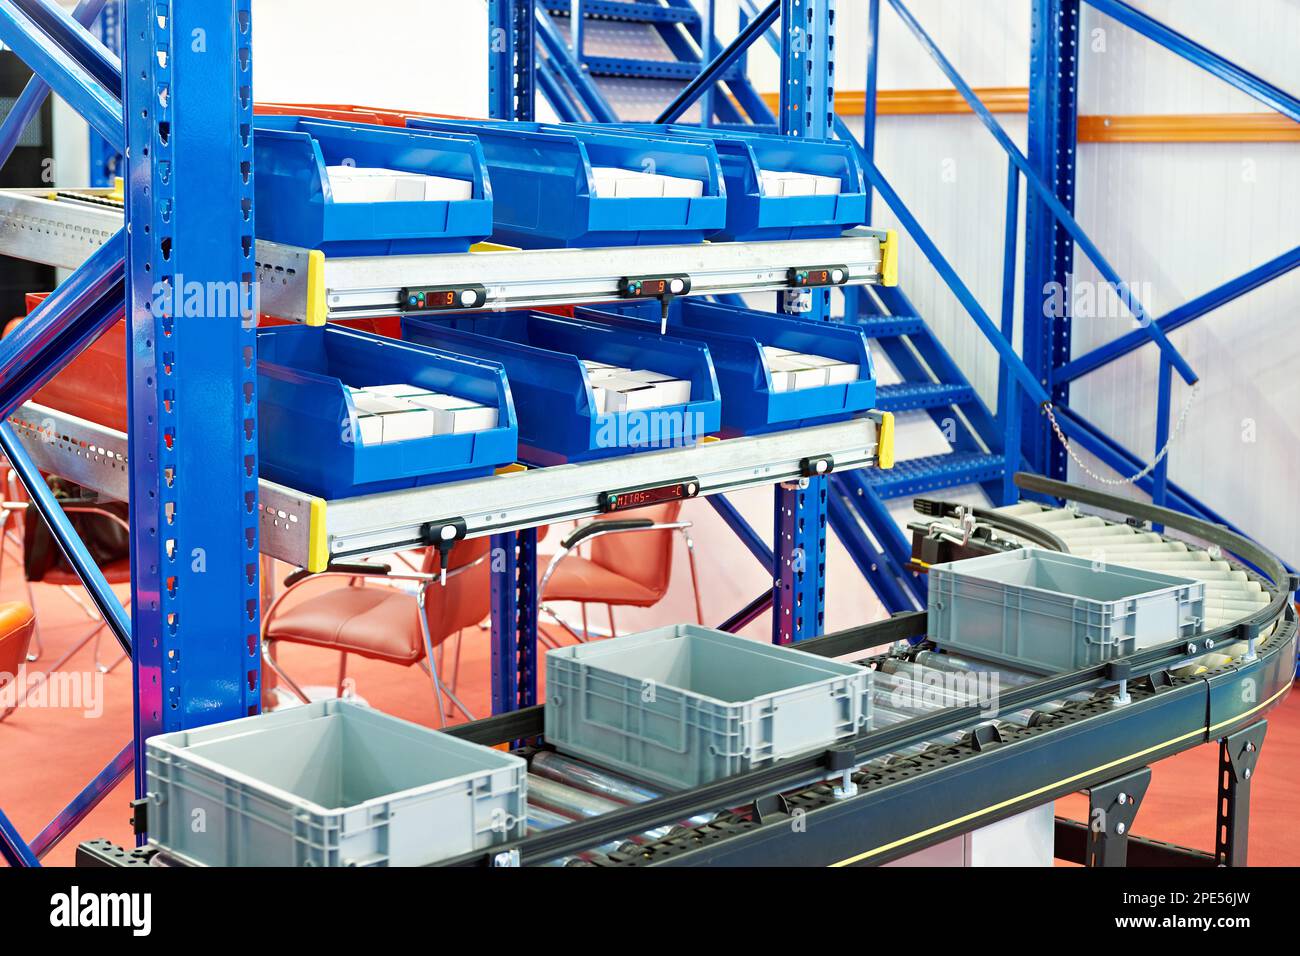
column 180, row 111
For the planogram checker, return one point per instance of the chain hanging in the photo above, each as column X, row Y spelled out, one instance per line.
column 1131, row 479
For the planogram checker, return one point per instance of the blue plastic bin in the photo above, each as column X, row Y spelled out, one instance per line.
column 751, row 214
column 558, row 417
column 308, row 421
column 295, row 204
column 735, row 338
column 544, row 187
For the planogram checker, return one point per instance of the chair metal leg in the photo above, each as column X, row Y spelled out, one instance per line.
column 455, row 667
column 547, row 609
column 695, row 578
column 586, row 628
column 343, row 674
column 36, row 629
column 268, row 655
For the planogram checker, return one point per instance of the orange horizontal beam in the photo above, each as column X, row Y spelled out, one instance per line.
column 1194, row 128
column 1176, row 128
column 999, row 99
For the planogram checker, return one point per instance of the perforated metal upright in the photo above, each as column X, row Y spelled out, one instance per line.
column 807, row 110
column 1049, row 248
column 512, row 88
column 193, row 403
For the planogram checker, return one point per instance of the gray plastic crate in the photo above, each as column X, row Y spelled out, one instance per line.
column 686, row 705
column 329, row 784
column 1050, row 612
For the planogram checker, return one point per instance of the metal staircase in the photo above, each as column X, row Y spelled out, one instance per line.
column 635, row 58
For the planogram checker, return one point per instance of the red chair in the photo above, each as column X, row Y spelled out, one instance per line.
column 630, row 564
column 386, row 621
column 16, row 511
column 17, row 622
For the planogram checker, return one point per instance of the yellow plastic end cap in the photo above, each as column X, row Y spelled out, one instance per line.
column 317, row 310
column 119, row 188
column 318, row 550
column 889, row 258
column 885, row 441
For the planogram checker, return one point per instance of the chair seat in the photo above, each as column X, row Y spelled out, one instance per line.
column 16, row 625
column 376, row 622
column 115, row 572
column 578, row 579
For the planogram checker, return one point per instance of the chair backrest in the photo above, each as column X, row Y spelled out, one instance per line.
column 16, row 626
column 645, row 557
column 466, row 599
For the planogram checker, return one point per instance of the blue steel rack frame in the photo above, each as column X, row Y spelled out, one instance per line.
column 187, row 88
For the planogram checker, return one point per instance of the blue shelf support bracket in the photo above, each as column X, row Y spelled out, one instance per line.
column 192, row 366
column 35, row 92
column 512, row 56
column 90, row 797
column 513, row 561
column 1049, row 247
column 13, row 848
column 106, row 157
column 68, row 59
column 86, row 304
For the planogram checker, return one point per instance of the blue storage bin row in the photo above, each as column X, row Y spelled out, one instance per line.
column 296, row 204
column 559, row 419
column 754, row 215
column 544, row 184
column 534, row 185
column 529, row 366
column 308, row 426
column 735, row 339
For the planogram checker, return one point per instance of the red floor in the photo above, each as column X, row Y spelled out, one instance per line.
column 49, row 754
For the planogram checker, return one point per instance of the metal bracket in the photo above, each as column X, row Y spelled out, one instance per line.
column 140, row 815
column 1238, row 755
column 1157, row 681
column 985, row 737
column 771, row 806
column 1112, row 807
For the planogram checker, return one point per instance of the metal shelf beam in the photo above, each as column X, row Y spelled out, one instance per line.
column 307, row 531
column 300, row 285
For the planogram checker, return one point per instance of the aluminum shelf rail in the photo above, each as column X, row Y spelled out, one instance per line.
column 305, row 286
column 310, row 532
column 294, row 281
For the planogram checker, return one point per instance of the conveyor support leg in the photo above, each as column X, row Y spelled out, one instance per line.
column 1112, row 807
column 1238, row 754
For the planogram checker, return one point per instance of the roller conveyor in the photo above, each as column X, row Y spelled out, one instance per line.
column 1012, row 759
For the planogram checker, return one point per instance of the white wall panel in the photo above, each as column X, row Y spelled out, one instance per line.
column 1122, row 71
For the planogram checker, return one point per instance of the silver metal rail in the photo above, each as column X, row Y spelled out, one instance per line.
column 309, row 532
column 305, row 286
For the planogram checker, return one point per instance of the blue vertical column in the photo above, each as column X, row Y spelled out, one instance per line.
column 513, row 560
column 512, row 60
column 192, row 364
column 807, row 110
column 512, row 86
column 1049, row 250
